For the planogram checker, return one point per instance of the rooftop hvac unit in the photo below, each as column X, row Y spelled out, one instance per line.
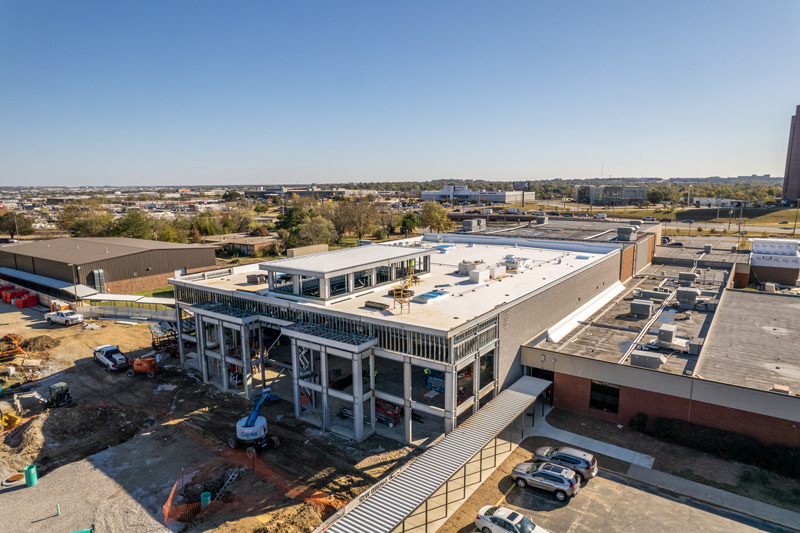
column 256, row 279
column 497, row 271
column 707, row 248
column 541, row 220
column 479, row 275
column 688, row 295
column 688, row 276
column 644, row 359
column 642, row 308
column 667, row 333
column 654, row 295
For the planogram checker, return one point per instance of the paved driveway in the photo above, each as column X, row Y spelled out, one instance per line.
column 611, row 504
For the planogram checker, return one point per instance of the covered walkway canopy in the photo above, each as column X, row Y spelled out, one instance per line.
column 44, row 284
column 386, row 506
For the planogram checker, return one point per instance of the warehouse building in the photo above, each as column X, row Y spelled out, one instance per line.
column 60, row 267
column 350, row 347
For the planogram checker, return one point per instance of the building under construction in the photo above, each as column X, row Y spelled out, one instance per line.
column 408, row 339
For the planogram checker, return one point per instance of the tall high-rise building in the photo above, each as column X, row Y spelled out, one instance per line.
column 791, row 179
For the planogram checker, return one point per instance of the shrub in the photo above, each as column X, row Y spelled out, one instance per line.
column 638, row 422
column 784, row 459
column 725, row 444
column 380, row 233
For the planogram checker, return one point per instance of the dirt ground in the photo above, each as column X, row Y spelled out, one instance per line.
column 745, row 480
column 111, row 413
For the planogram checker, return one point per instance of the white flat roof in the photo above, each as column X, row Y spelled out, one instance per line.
column 346, row 260
column 466, row 301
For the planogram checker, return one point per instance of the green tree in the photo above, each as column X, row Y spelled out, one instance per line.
column 276, row 200
column 229, row 196
column 144, row 197
column 435, row 217
column 133, row 225
column 339, row 215
column 409, row 222
column 93, row 224
column 15, row 225
column 292, row 218
column 317, row 230
column 655, row 196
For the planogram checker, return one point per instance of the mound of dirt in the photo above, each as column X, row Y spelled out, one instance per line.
column 65, row 435
column 296, row 519
column 39, row 344
column 21, row 446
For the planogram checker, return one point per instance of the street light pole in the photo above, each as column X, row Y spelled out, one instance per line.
column 795, row 216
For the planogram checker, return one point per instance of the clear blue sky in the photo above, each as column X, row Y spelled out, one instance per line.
column 192, row 92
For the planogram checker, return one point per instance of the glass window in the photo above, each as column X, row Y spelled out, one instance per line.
column 604, row 397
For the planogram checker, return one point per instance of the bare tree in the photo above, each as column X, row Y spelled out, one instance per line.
column 339, row 215
column 387, row 221
column 362, row 217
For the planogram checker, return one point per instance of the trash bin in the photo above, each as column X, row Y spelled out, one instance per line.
column 204, row 499
column 31, row 477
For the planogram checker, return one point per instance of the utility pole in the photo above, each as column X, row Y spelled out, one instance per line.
column 795, row 216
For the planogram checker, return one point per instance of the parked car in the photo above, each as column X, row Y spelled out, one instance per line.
column 562, row 482
column 493, row 519
column 111, row 357
column 583, row 463
column 783, row 222
column 583, row 215
column 649, row 219
column 675, row 244
column 599, row 216
column 553, row 213
column 688, row 221
column 68, row 318
column 665, row 220
column 665, row 240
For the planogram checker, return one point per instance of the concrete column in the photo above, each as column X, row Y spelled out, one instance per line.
column 262, row 358
column 295, row 284
column 476, row 383
column 358, row 400
column 296, row 379
column 324, row 288
column 351, row 281
column 200, row 333
column 407, row 399
column 373, row 417
column 247, row 369
column 323, row 373
column 181, row 347
column 450, row 392
column 373, row 277
column 271, row 280
column 391, row 272
column 223, row 352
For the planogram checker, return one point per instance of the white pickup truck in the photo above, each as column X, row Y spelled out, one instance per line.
column 68, row 318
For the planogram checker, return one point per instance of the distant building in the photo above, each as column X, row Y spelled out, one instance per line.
column 610, row 194
column 705, row 201
column 462, row 193
column 791, row 178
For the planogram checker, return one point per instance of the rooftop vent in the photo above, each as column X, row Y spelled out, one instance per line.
column 645, row 359
column 781, row 389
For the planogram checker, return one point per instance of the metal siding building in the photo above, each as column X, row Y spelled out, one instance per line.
column 120, row 258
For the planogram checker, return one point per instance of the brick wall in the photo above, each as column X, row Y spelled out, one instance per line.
column 146, row 283
column 572, row 393
column 527, row 319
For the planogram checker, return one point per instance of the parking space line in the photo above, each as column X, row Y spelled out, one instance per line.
column 577, row 521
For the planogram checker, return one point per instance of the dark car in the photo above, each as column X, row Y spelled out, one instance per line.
column 665, row 220
column 688, row 221
column 554, row 213
column 582, row 463
column 675, row 244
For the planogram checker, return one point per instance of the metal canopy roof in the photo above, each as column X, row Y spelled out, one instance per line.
column 346, row 260
column 83, row 290
column 392, row 503
column 351, row 342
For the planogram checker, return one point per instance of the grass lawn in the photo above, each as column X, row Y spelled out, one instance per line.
column 161, row 292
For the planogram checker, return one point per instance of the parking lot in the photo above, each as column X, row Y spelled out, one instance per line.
column 612, row 503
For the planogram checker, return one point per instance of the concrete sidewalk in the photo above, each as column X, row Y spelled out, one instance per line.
column 542, row 429
column 641, row 469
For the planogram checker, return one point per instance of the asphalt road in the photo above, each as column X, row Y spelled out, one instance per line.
column 613, row 504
